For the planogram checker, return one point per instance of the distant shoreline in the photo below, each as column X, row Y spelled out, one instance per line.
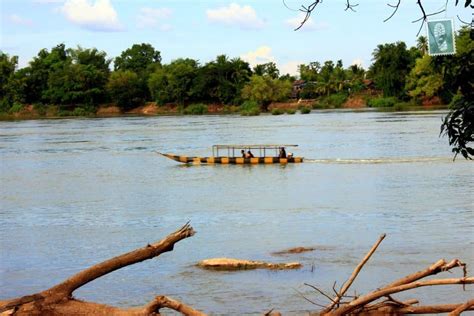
column 28, row 112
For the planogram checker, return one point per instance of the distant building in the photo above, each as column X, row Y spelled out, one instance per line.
column 298, row 85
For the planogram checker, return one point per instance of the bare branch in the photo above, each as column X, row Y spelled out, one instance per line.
column 138, row 255
column 394, row 11
column 363, row 300
column 303, row 296
column 464, row 307
column 321, row 292
column 350, row 6
column 166, row 302
column 354, row 275
column 463, row 22
column 308, row 10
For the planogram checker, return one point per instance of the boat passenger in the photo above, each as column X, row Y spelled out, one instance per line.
column 290, row 155
column 282, row 152
column 244, row 155
column 249, row 154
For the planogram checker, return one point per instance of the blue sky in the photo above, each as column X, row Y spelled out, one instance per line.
column 256, row 30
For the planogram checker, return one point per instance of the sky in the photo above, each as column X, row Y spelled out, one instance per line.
column 257, row 31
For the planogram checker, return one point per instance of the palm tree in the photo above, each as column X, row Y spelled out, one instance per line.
column 422, row 44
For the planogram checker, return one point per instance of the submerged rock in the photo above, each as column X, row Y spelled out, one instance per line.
column 294, row 250
column 229, row 264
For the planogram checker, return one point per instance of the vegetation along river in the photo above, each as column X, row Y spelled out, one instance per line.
column 77, row 191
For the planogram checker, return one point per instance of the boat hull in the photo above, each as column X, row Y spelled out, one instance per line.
column 233, row 160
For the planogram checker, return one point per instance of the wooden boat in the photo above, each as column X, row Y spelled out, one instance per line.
column 231, row 158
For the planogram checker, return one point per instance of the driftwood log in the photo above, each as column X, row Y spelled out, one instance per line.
column 59, row 299
column 380, row 301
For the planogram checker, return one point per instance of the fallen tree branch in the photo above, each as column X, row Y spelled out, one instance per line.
column 60, row 295
column 356, row 271
column 165, row 302
column 437, row 267
column 363, row 300
column 469, row 305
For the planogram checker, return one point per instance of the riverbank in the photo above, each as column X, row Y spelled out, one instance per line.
column 32, row 112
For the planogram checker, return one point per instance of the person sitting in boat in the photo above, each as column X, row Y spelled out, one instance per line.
column 249, row 154
column 282, row 152
column 244, row 155
column 290, row 155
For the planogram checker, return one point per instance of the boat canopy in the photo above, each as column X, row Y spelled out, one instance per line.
column 262, row 148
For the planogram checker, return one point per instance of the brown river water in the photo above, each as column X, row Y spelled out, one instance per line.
column 74, row 192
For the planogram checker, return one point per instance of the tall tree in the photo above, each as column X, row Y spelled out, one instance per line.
column 138, row 58
column 174, row 82
column 142, row 59
column 124, row 89
column 390, row 68
column 423, row 80
column 422, row 44
column 7, row 70
column 269, row 69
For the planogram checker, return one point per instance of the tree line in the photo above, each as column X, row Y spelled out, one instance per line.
column 72, row 77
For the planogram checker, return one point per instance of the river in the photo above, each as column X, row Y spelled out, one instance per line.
column 74, row 192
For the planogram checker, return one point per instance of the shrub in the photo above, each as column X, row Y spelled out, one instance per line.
column 40, row 108
column 83, row 111
column 249, row 108
column 305, row 110
column 403, row 106
column 277, row 112
column 333, row 101
column 382, row 102
column 290, row 111
column 196, row 109
column 16, row 107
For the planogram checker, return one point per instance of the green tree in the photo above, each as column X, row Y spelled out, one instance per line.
column 423, row 80
column 222, row 80
column 458, row 125
column 36, row 75
column 80, row 79
column 139, row 58
column 422, row 44
column 124, row 88
column 264, row 90
column 390, row 68
column 269, row 69
column 174, row 82
column 309, row 72
column 142, row 59
column 7, row 71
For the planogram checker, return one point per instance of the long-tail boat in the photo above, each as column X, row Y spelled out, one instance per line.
column 262, row 155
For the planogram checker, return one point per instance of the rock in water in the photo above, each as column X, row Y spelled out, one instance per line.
column 229, row 264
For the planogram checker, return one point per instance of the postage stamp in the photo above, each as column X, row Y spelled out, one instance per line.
column 441, row 39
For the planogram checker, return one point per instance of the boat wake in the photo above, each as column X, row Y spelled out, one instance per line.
column 390, row 160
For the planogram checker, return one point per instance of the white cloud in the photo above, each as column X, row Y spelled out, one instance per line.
column 95, row 15
column 149, row 17
column 16, row 19
column 358, row 61
column 261, row 55
column 235, row 15
column 309, row 25
column 290, row 67
column 47, row 1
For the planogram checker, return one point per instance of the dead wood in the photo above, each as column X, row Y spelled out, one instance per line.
column 372, row 303
column 165, row 302
column 58, row 300
column 356, row 271
column 469, row 305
